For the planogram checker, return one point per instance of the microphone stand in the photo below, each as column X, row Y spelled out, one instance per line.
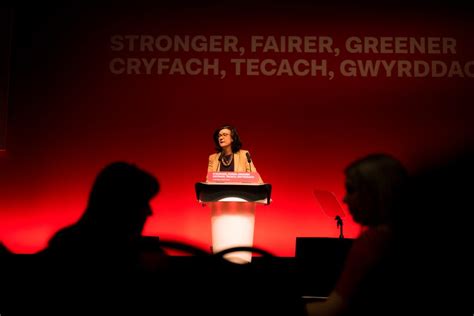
column 339, row 225
column 249, row 160
column 220, row 160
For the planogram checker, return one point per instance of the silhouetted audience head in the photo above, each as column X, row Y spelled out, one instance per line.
column 374, row 185
column 120, row 197
column 117, row 210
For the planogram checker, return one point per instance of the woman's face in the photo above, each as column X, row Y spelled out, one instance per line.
column 359, row 202
column 225, row 138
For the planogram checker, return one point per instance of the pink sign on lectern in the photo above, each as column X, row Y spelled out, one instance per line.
column 233, row 177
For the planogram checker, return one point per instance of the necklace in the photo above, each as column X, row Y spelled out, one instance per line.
column 227, row 161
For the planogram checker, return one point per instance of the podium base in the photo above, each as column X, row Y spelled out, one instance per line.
column 232, row 226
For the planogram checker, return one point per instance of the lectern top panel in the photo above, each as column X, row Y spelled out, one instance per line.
column 213, row 192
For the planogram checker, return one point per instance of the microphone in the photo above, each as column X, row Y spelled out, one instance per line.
column 220, row 160
column 249, row 160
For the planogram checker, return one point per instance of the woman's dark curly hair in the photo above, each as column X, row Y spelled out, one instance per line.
column 236, row 144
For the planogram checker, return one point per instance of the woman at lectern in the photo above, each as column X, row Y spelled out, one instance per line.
column 229, row 156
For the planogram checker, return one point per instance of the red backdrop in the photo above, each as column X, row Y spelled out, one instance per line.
column 69, row 115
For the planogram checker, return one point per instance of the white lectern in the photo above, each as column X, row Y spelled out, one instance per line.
column 233, row 207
